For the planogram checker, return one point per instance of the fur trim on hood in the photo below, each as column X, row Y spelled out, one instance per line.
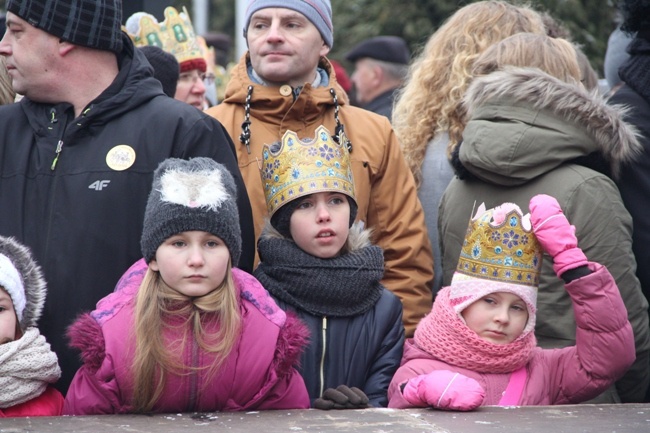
column 617, row 140
column 357, row 239
column 32, row 276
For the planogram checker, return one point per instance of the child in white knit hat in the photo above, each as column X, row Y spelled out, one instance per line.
column 28, row 366
column 477, row 346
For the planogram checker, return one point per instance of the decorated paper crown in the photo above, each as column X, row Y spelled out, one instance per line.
column 295, row 168
column 500, row 253
column 174, row 35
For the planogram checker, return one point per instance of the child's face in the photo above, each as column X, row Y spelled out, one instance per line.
column 193, row 263
column 8, row 320
column 498, row 317
column 320, row 223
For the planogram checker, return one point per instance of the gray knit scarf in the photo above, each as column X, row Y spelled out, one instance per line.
column 341, row 286
column 636, row 70
column 27, row 366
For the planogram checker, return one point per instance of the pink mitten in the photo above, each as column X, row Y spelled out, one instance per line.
column 444, row 389
column 555, row 234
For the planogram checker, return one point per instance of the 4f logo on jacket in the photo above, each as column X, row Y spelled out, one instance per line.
column 99, row 185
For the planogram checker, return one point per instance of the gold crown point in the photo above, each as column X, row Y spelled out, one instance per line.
column 294, row 168
column 506, row 251
column 174, row 35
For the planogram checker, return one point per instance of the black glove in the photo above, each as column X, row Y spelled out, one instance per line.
column 342, row 398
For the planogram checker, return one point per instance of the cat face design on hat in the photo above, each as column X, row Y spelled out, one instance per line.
column 195, row 195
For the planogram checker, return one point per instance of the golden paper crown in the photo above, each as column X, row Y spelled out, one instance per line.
column 295, row 168
column 174, row 35
column 502, row 250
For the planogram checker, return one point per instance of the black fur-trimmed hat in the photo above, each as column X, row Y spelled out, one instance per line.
column 187, row 195
column 21, row 277
column 90, row 23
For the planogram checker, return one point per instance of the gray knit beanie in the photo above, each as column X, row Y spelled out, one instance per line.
column 21, row 277
column 319, row 12
column 198, row 194
column 90, row 23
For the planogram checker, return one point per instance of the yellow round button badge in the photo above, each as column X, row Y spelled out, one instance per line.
column 120, row 157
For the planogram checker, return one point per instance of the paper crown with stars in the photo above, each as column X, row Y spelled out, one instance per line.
column 500, row 253
column 295, row 168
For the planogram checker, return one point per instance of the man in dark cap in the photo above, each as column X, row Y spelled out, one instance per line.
column 78, row 152
column 380, row 66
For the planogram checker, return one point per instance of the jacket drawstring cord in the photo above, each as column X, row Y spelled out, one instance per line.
column 245, row 136
column 339, row 133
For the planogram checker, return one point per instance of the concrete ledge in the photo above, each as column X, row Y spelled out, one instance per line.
column 623, row 418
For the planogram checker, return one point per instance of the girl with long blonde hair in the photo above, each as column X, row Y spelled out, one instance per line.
column 185, row 331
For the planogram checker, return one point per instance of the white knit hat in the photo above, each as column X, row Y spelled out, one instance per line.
column 10, row 281
column 23, row 280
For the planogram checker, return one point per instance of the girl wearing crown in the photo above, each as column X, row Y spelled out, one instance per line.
column 316, row 263
column 185, row 331
column 477, row 346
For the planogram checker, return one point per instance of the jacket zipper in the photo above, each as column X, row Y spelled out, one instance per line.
column 59, row 148
column 191, row 404
column 59, row 144
column 322, row 358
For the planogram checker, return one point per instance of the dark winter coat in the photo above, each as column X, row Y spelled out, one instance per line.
column 81, row 218
column 361, row 350
column 634, row 182
column 383, row 104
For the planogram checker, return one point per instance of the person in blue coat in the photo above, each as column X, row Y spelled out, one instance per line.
column 315, row 263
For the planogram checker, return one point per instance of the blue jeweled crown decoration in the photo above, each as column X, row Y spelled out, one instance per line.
column 297, row 167
column 507, row 251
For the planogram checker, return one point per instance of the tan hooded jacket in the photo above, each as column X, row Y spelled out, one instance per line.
column 384, row 187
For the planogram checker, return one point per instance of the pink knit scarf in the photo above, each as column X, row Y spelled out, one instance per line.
column 444, row 335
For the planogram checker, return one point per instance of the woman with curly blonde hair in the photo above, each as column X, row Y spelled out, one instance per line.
column 428, row 117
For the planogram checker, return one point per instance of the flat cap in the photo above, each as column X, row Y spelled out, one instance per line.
column 391, row 49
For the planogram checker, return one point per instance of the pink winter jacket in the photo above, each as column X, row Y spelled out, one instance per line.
column 259, row 373
column 603, row 352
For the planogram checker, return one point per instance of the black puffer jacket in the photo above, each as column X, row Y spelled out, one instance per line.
column 81, row 218
column 362, row 350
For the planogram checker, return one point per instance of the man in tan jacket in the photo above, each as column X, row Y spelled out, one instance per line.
column 285, row 83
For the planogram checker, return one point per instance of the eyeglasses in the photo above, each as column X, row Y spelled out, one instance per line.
column 192, row 76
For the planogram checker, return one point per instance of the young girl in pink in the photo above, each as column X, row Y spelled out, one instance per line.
column 477, row 346
column 185, row 331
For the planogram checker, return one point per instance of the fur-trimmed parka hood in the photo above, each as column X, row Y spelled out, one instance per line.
column 524, row 123
column 32, row 279
column 357, row 239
